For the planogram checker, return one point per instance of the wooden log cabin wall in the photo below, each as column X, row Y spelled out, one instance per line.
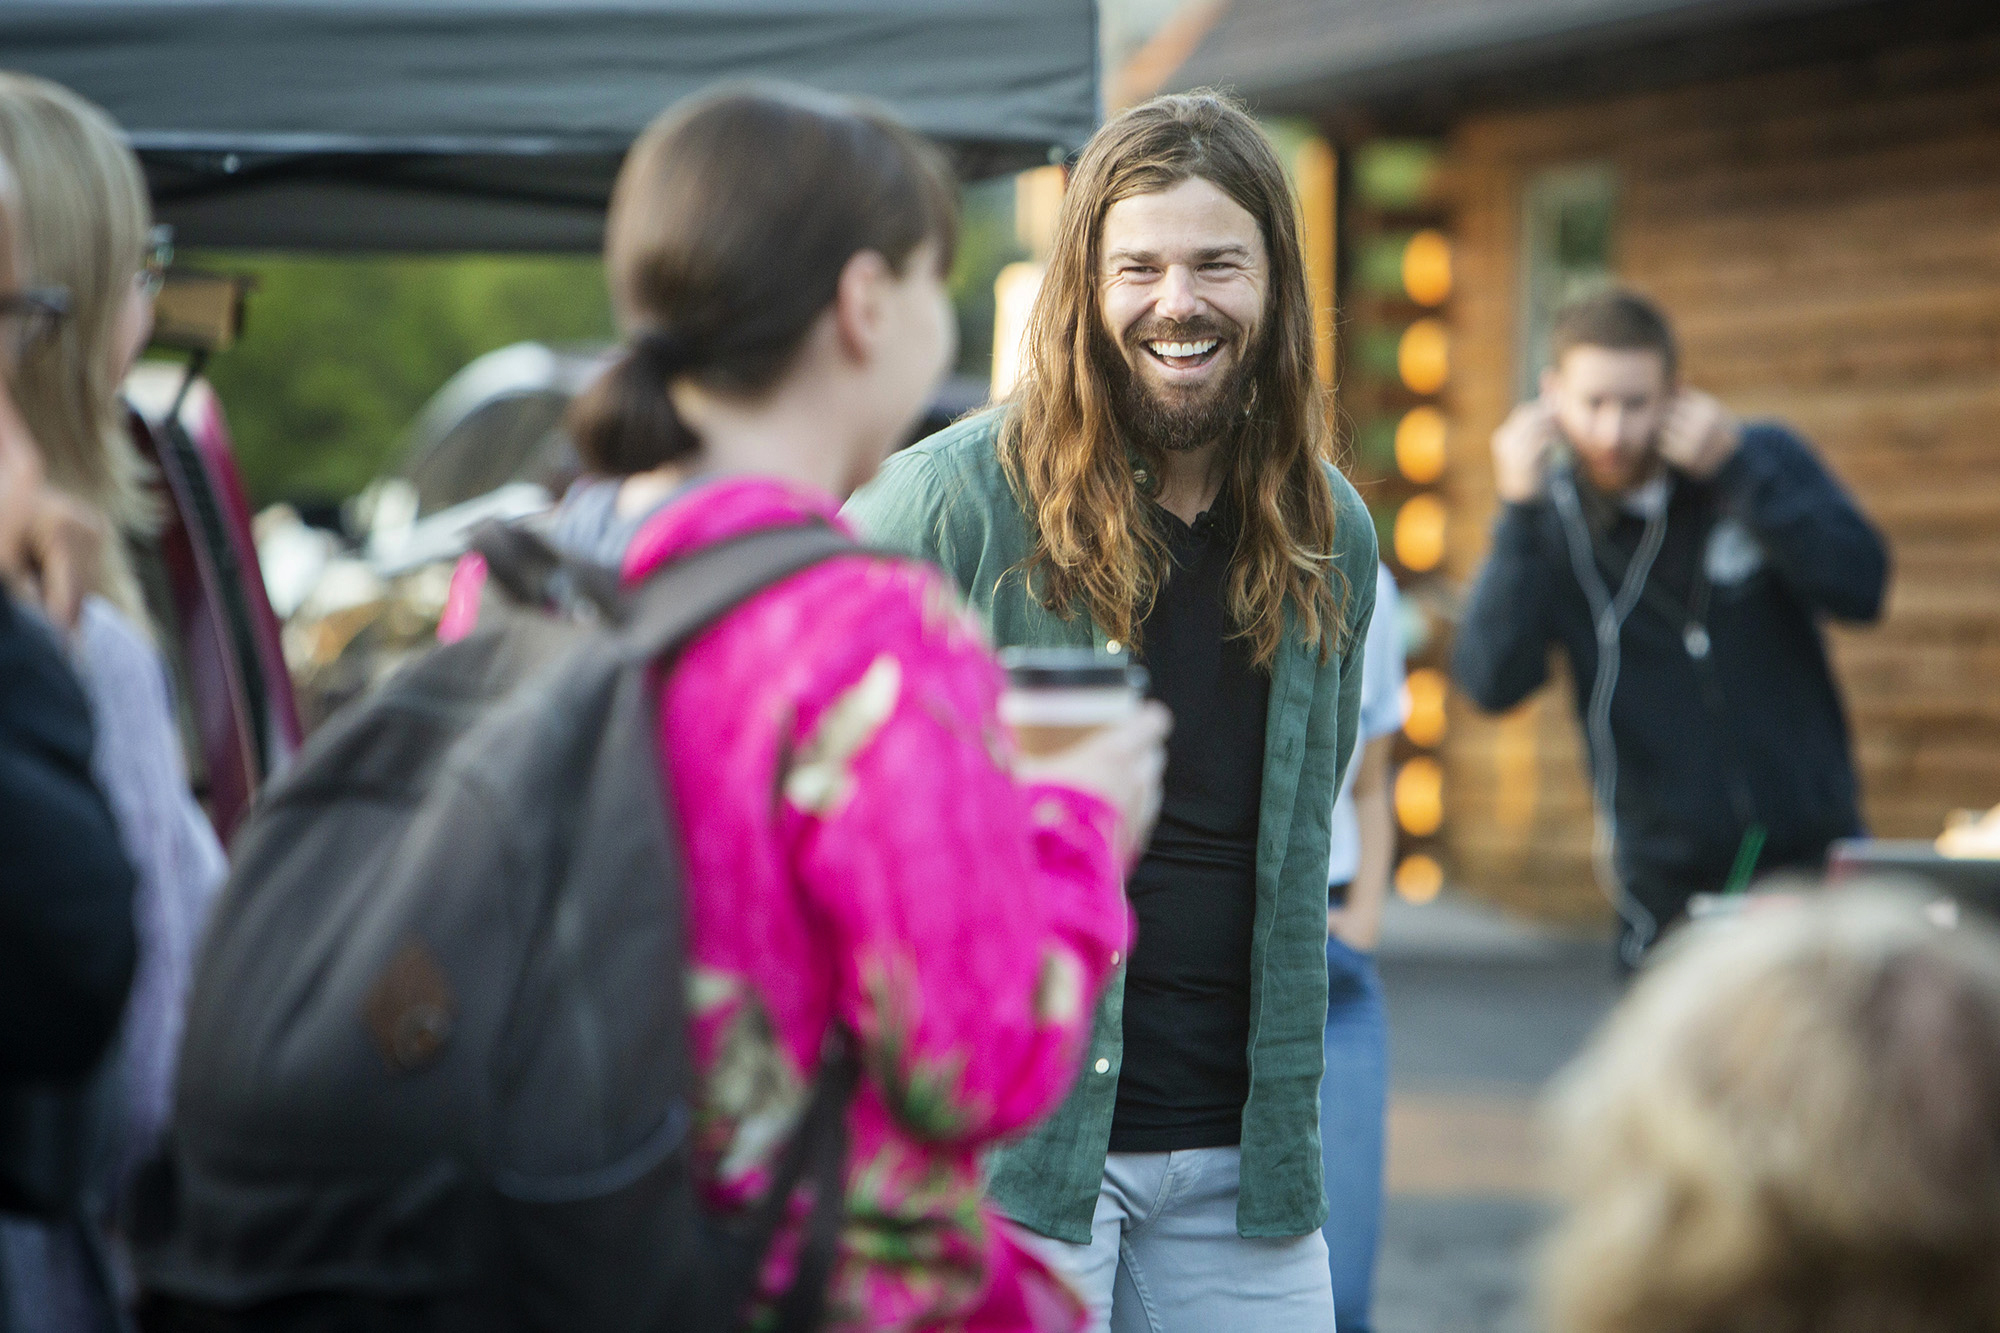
column 1827, row 240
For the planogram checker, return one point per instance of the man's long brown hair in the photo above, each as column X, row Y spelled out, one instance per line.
column 1072, row 461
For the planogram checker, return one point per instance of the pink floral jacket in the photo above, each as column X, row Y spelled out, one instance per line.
column 858, row 853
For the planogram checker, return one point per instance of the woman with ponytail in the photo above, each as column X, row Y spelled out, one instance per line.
column 864, row 850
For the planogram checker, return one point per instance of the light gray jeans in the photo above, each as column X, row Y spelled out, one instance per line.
column 1164, row 1256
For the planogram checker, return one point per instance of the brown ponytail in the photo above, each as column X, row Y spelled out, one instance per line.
column 625, row 422
column 731, row 221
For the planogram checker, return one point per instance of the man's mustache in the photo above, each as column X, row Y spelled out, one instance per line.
column 1178, row 331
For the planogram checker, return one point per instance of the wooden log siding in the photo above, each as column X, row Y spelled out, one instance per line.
column 1828, row 241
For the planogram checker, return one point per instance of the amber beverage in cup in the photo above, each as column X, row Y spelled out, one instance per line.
column 1057, row 696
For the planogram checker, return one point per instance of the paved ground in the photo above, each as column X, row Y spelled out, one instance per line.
column 1482, row 1013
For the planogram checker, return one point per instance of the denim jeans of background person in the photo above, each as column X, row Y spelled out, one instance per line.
column 1160, row 481
column 1353, row 1095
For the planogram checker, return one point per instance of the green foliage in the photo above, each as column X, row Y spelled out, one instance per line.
column 338, row 354
column 1289, row 136
column 1375, row 446
column 1376, row 349
column 1398, row 173
column 986, row 244
column 1378, row 266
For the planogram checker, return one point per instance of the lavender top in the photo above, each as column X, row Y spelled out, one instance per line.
column 172, row 846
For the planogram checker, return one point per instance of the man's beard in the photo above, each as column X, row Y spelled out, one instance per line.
column 1179, row 422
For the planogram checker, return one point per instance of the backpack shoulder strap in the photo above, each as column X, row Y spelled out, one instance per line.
column 526, row 567
column 689, row 593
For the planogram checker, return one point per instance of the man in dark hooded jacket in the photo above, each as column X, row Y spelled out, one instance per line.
column 1682, row 561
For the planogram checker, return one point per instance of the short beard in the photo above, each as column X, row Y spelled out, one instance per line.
column 1178, row 425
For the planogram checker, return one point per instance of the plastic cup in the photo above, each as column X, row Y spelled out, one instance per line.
column 1057, row 697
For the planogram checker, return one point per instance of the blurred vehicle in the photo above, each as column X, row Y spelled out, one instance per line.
column 490, row 444
column 206, row 592
column 499, row 421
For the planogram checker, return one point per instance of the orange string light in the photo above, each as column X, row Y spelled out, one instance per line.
column 1419, row 878
column 1423, row 356
column 1427, row 268
column 1420, row 797
column 1420, row 445
column 1420, row 532
column 1424, row 692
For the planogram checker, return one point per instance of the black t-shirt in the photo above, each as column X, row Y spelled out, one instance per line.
column 1186, row 1069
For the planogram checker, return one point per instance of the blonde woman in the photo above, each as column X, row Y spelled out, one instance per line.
column 1792, row 1126
column 84, row 226
column 87, row 227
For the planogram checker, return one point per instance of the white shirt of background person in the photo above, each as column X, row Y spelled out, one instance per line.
column 1382, row 713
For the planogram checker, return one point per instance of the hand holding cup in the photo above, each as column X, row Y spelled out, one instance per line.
column 1081, row 719
column 1124, row 763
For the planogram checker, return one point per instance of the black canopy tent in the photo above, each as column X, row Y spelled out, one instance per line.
column 499, row 124
column 1395, row 65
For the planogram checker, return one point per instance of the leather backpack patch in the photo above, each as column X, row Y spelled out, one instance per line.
column 410, row 1009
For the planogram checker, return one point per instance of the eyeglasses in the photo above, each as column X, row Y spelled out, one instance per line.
column 30, row 317
column 159, row 257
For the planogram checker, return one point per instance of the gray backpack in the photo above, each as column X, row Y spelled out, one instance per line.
column 436, row 1071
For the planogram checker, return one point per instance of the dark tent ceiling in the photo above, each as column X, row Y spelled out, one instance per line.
column 499, row 124
column 1423, row 60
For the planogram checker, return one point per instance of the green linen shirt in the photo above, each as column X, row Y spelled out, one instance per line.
column 947, row 500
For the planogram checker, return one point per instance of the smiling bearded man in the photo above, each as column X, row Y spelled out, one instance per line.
column 1160, row 481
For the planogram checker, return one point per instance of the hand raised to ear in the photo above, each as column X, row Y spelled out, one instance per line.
column 1700, row 434
column 1521, row 450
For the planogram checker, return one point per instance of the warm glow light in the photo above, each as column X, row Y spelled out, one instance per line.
column 1420, row 445
column 1014, row 292
column 1427, row 268
column 1424, row 693
column 1419, row 878
column 1037, row 204
column 1423, row 357
column 1419, row 538
column 1318, row 185
column 1420, row 797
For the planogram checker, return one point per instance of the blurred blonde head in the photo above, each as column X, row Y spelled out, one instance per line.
column 1793, row 1124
column 82, row 221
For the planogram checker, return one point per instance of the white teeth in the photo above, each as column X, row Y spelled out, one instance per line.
column 1184, row 349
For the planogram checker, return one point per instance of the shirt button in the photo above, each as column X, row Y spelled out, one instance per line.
column 1116, row 958
column 1103, row 1066
column 1113, row 646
